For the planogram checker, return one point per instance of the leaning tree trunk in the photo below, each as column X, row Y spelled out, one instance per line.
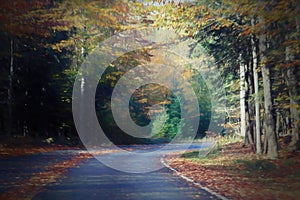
column 256, row 93
column 269, row 123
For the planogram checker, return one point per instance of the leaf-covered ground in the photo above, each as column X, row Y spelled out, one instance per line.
column 236, row 173
column 25, row 149
column 25, row 184
column 233, row 171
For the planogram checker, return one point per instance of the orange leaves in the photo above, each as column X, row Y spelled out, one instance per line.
column 244, row 179
column 17, row 17
column 7, row 151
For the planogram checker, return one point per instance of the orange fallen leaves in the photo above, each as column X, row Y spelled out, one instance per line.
column 8, row 151
column 234, row 180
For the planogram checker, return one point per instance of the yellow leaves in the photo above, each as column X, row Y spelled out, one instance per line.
column 144, row 100
column 63, row 44
column 188, row 19
column 92, row 20
column 288, row 106
column 165, row 102
column 82, row 13
column 187, row 74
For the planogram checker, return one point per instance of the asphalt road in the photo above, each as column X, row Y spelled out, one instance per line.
column 94, row 180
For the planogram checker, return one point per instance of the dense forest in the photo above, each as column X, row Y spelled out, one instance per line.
column 254, row 45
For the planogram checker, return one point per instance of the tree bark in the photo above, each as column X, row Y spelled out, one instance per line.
column 256, row 93
column 269, row 123
column 278, row 123
column 291, row 81
column 83, row 86
column 242, row 98
column 293, row 93
column 249, row 106
column 10, row 90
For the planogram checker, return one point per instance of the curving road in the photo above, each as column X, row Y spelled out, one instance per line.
column 93, row 180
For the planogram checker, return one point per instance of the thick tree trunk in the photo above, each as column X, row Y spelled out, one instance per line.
column 249, row 110
column 269, row 120
column 10, row 90
column 256, row 93
column 242, row 98
column 270, row 136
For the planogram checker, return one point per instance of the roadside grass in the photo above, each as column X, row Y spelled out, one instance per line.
column 191, row 155
column 209, row 155
column 229, row 139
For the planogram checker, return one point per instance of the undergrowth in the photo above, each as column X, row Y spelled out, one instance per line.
column 214, row 151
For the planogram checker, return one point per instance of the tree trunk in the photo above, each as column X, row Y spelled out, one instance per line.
column 242, row 98
column 269, row 123
column 298, row 22
column 82, row 106
column 10, row 90
column 83, row 85
column 291, row 80
column 249, row 107
column 278, row 123
column 256, row 93
column 265, row 144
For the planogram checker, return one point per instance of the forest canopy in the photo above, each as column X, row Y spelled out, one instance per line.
column 254, row 45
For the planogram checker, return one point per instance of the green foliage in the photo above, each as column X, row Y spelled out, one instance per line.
column 168, row 124
column 193, row 154
column 158, row 124
column 204, row 99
